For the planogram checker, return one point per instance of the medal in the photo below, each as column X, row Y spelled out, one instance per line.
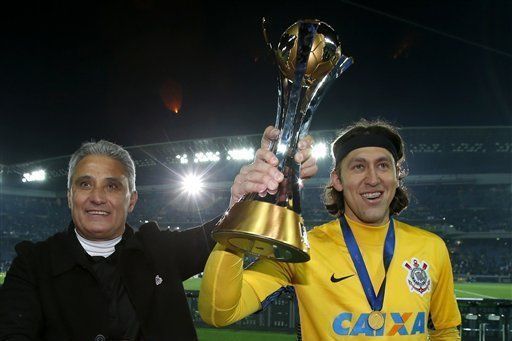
column 376, row 320
column 376, row 317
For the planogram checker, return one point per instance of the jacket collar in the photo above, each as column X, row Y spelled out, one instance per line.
column 69, row 253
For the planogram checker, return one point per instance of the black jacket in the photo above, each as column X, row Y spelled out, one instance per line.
column 50, row 292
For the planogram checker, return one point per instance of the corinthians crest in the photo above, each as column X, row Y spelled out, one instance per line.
column 418, row 278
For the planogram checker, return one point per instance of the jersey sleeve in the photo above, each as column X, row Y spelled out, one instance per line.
column 267, row 277
column 448, row 334
column 444, row 312
column 225, row 297
column 229, row 293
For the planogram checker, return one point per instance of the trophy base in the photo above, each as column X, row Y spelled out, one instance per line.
column 263, row 229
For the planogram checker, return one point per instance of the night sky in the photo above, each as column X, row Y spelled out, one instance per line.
column 74, row 71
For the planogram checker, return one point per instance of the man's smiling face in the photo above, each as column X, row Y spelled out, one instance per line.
column 368, row 179
column 99, row 198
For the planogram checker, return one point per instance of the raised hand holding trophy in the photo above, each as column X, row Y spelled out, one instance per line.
column 309, row 59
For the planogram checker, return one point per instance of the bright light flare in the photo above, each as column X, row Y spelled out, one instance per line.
column 319, row 150
column 192, row 184
column 37, row 175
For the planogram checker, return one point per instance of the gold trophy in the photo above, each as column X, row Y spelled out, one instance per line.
column 309, row 58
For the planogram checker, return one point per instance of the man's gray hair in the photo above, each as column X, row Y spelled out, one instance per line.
column 105, row 148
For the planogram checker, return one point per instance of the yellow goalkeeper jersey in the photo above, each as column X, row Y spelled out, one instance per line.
column 332, row 304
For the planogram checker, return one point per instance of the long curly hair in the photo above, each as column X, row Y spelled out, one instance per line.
column 333, row 199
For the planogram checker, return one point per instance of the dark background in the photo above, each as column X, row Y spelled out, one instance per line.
column 78, row 70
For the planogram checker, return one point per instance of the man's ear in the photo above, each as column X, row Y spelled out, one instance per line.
column 69, row 198
column 133, row 200
column 336, row 181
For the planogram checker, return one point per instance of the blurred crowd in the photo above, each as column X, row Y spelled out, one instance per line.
column 453, row 208
column 472, row 257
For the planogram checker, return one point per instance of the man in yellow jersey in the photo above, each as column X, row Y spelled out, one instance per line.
column 370, row 276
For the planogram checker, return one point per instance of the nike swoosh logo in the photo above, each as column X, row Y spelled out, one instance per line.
column 336, row 280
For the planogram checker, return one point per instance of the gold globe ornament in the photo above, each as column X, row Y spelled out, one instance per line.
column 323, row 57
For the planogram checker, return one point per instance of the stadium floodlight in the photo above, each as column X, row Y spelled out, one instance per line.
column 244, row 154
column 207, row 157
column 183, row 158
column 37, row 175
column 319, row 150
column 192, row 184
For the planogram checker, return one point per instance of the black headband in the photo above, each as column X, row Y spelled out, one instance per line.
column 366, row 140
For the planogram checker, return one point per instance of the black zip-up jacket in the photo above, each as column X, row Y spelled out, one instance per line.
column 51, row 293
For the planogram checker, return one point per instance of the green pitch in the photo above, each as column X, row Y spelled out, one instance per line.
column 484, row 290
column 206, row 334
column 462, row 290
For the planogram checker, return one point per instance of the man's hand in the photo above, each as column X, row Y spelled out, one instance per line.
column 262, row 176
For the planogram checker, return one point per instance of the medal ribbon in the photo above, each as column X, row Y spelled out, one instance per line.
column 375, row 301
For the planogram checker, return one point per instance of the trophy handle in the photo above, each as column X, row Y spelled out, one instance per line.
column 320, row 89
column 265, row 34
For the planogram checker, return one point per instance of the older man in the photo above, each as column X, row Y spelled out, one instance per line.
column 100, row 280
column 370, row 276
